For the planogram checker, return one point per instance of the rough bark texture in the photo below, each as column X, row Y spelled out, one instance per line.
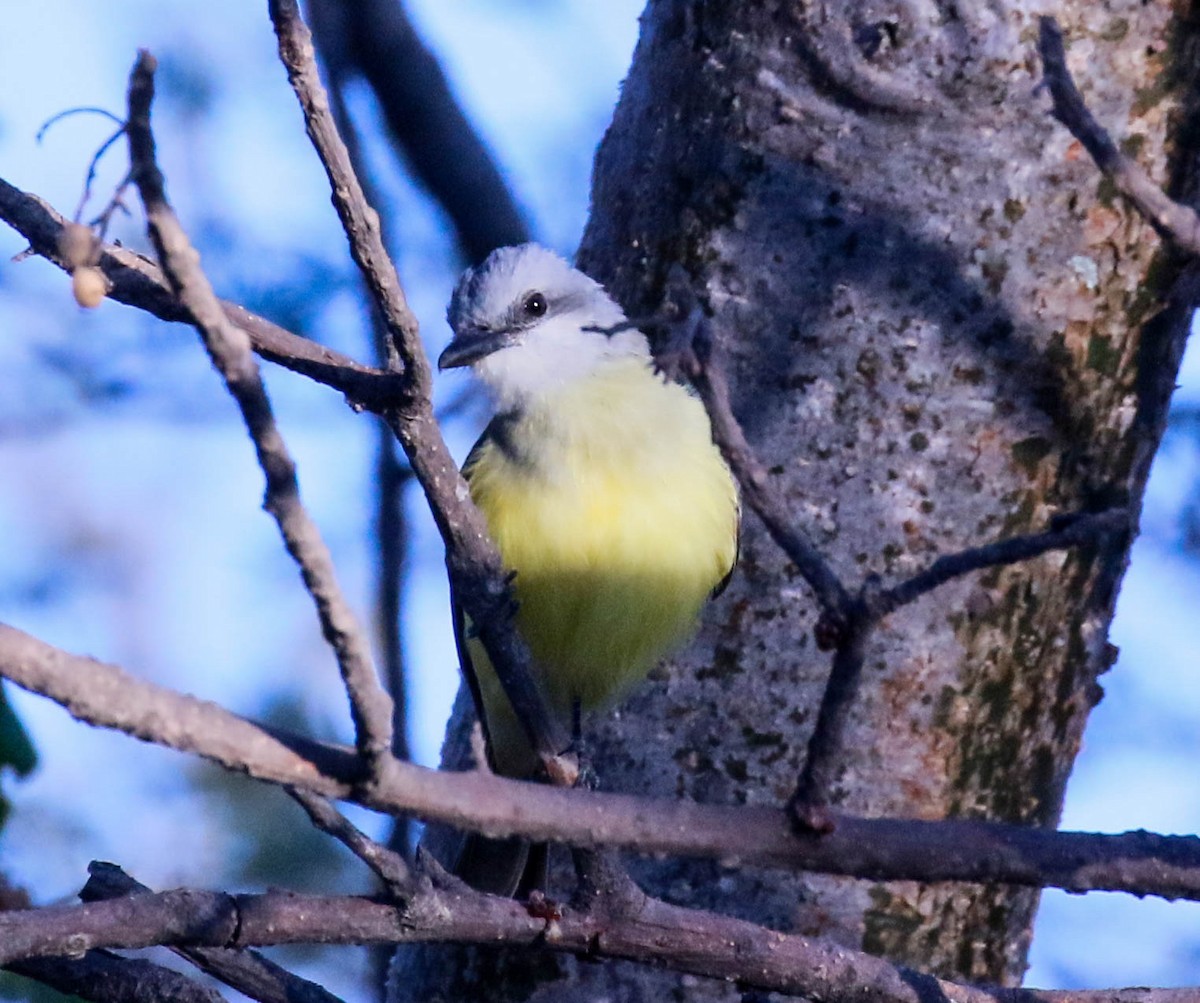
column 943, row 330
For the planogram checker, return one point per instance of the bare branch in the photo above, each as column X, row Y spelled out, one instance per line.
column 140, row 283
column 391, row 477
column 653, row 931
column 873, row 603
column 692, row 350
column 90, row 178
column 246, row 971
column 104, row 977
column 815, row 786
column 229, row 349
column 70, row 112
column 473, row 561
column 390, row 867
column 358, row 219
column 879, row 849
column 376, row 39
column 1073, row 531
column 477, row 574
column 1173, row 220
column 847, row 620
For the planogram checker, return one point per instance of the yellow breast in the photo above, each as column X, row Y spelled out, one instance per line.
column 619, row 517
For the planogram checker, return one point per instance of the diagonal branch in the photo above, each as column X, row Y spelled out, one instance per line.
column 1073, row 531
column 873, row 602
column 390, row 522
column 477, row 574
column 692, row 350
column 358, row 219
column 138, row 282
column 229, row 349
column 375, row 39
column 1173, row 220
column 388, row 865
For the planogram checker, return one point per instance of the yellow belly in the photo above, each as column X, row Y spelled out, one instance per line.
column 618, row 517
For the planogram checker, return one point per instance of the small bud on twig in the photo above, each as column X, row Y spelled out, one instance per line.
column 89, row 285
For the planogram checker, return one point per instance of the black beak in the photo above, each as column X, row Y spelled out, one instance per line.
column 472, row 345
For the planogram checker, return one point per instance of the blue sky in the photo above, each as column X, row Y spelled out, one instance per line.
column 129, row 497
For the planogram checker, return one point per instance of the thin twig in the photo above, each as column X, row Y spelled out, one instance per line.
column 1173, row 220
column 102, row 219
column 246, row 971
column 815, row 788
column 391, row 476
column 696, row 348
column 358, row 219
column 881, row 849
column 67, row 113
column 873, row 602
column 1075, row 531
column 139, row 282
column 376, row 40
column 477, row 575
column 91, row 177
column 389, row 866
column 229, row 349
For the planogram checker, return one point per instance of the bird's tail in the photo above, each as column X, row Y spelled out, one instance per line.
column 510, row 867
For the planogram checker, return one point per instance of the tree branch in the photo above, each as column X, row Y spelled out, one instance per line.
column 477, row 574
column 1070, row 531
column 391, row 476
column 653, row 931
column 388, row 866
column 879, row 849
column 246, row 971
column 104, row 977
column 1173, row 220
column 847, row 619
column 229, row 349
column 358, row 219
column 692, row 351
column 814, row 788
column 873, row 603
column 138, row 282
column 376, row 39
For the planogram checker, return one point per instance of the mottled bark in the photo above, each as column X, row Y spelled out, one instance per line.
column 942, row 329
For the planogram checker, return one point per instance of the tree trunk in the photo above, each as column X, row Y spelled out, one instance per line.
column 943, row 329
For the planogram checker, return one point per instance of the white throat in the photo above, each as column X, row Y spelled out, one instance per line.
column 554, row 357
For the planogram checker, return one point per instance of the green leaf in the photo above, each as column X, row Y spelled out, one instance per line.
column 16, row 748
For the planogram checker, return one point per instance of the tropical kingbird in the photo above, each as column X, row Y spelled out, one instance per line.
column 602, row 489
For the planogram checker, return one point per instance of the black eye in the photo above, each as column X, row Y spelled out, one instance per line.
column 535, row 305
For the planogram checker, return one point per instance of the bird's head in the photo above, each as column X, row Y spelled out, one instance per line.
column 523, row 321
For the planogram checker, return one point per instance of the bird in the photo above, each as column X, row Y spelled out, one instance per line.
column 601, row 486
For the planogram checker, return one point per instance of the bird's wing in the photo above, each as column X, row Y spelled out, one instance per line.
column 496, row 866
column 459, row 618
column 723, row 584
